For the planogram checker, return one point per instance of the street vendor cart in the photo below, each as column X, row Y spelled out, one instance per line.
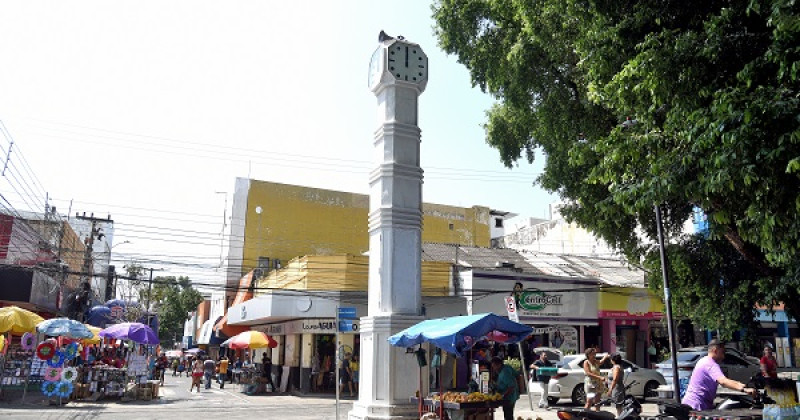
column 457, row 335
column 455, row 410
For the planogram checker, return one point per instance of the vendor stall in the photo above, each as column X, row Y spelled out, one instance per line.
column 17, row 368
column 457, row 335
column 250, row 378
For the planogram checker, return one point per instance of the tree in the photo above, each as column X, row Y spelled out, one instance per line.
column 634, row 103
column 172, row 298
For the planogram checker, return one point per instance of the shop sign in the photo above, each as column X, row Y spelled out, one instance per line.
column 319, row 326
column 631, row 303
column 537, row 300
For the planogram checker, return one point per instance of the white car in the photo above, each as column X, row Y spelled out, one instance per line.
column 568, row 382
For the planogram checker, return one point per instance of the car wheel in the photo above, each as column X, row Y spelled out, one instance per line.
column 579, row 395
column 650, row 390
column 552, row 400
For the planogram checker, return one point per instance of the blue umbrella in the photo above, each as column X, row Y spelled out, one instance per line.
column 64, row 327
column 459, row 333
column 99, row 316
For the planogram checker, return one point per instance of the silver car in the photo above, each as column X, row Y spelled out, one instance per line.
column 736, row 365
column 568, row 382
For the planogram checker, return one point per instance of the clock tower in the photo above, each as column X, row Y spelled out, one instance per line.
column 398, row 74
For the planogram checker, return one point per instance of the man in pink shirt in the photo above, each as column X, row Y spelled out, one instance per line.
column 706, row 376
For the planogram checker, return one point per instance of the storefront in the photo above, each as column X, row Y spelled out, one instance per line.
column 625, row 315
column 562, row 311
column 304, row 327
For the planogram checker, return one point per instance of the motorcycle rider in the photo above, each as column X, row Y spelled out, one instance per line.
column 706, row 376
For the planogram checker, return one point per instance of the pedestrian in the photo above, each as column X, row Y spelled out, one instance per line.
column 594, row 384
column 161, row 366
column 315, row 367
column 346, row 375
column 354, row 366
column 208, row 370
column 769, row 366
column 617, row 388
column 652, row 355
column 266, row 371
column 197, row 373
column 175, row 364
column 505, row 384
column 222, row 369
column 544, row 380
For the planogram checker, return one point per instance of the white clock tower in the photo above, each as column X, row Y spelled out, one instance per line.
column 397, row 76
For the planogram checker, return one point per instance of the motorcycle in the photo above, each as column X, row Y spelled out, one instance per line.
column 631, row 409
column 673, row 410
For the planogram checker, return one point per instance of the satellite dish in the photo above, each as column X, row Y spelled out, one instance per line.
column 259, row 209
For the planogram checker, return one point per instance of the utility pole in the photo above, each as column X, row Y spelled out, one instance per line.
column 149, row 289
column 88, row 267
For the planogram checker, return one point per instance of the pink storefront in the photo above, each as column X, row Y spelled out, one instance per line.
column 625, row 315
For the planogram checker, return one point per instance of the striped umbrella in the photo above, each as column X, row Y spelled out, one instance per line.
column 250, row 340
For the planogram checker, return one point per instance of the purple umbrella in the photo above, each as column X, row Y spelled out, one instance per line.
column 133, row 331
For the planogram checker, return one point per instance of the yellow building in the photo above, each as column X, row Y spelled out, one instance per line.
column 280, row 222
column 345, row 273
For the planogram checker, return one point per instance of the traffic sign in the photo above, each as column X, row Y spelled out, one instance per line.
column 347, row 313
column 511, row 307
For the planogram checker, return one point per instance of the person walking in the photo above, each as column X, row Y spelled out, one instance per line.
column 594, row 384
column 544, row 380
column 208, row 370
column 222, row 371
column 505, row 383
column 197, row 373
column 617, row 388
column 175, row 364
column 346, row 375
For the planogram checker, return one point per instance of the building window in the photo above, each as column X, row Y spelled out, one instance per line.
column 498, row 222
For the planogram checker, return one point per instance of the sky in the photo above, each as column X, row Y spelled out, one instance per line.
column 149, row 110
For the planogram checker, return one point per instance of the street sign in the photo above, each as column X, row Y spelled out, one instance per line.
column 347, row 313
column 511, row 307
column 347, row 325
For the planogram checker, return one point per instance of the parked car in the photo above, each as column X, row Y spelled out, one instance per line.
column 736, row 365
column 568, row 382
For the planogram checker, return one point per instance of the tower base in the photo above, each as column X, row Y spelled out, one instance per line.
column 389, row 375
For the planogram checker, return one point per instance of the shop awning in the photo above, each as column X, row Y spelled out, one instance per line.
column 207, row 332
column 229, row 330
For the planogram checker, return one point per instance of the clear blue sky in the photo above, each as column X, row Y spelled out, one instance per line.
column 146, row 109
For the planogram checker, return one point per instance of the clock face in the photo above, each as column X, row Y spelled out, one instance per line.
column 376, row 66
column 407, row 62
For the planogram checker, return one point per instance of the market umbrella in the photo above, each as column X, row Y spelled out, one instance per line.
column 64, row 327
column 250, row 340
column 174, row 353
column 459, row 333
column 99, row 316
column 194, row 351
column 134, row 331
column 17, row 320
column 96, row 338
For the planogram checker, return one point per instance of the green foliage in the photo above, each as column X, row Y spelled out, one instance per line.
column 714, row 91
column 172, row 298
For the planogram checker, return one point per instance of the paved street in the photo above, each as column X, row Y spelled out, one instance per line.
column 177, row 403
